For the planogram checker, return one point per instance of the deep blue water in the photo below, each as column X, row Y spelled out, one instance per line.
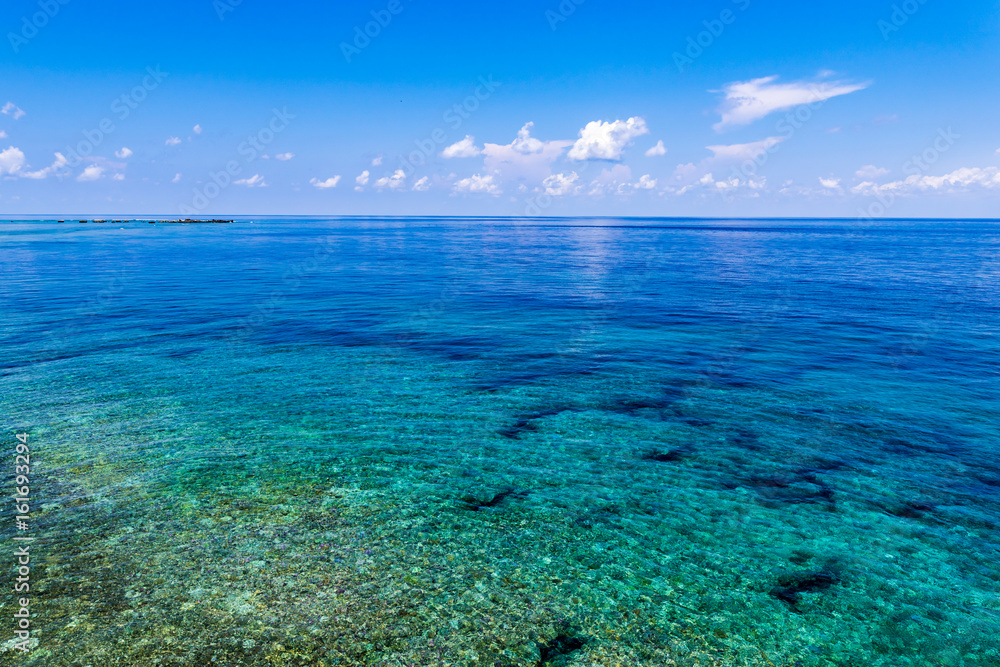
column 366, row 441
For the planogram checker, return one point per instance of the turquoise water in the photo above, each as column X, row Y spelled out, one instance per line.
column 496, row 442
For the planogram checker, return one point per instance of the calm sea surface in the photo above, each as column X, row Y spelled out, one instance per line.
column 418, row 442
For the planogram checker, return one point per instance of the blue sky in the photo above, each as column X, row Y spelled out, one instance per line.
column 725, row 108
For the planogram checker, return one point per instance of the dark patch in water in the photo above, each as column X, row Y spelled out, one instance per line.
column 532, row 377
column 557, row 651
column 527, row 423
column 176, row 354
column 670, row 456
column 800, row 487
column 900, row 446
column 631, row 406
column 475, row 504
column 989, row 480
column 911, row 510
column 698, row 423
column 745, row 439
column 625, row 406
column 609, row 515
column 791, row 586
column 821, row 465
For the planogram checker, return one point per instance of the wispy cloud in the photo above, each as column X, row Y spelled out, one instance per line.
column 870, row 172
column 422, row 185
column 176, row 178
column 59, row 163
column 255, row 181
column 12, row 110
column 614, row 180
column 284, row 157
column 327, row 184
column 197, row 129
column 601, row 140
column 749, row 101
column 124, row 153
column 965, row 179
column 362, row 180
column 172, row 141
column 743, row 152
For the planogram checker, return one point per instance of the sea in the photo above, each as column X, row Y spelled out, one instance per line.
column 426, row 441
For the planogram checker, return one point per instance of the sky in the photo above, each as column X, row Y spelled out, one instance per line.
column 728, row 108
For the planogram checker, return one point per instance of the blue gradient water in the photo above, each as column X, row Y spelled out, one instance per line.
column 499, row 442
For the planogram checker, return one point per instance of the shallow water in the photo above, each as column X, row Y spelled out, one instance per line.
column 497, row 442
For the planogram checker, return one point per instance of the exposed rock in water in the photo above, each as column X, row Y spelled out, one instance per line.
column 475, row 504
column 791, row 586
column 556, row 651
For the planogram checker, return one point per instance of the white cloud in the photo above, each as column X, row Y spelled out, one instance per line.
column 960, row 180
column 362, row 180
column 3, row 135
column 525, row 158
column 394, row 182
column 11, row 109
column 744, row 152
column 327, row 184
column 685, row 172
column 118, row 177
column 646, row 182
column 172, row 141
column 749, row 101
column 870, row 172
column 91, row 173
column 478, row 183
column 525, row 143
column 422, row 185
column 618, row 181
column 284, row 157
column 735, row 183
column 176, row 179
column 377, row 162
column 465, row 148
column 657, row 150
column 748, row 187
column 607, row 141
column 124, row 153
column 963, row 178
column 255, row 181
column 58, row 164
column 830, row 183
column 11, row 160
column 615, row 179
column 561, row 184
column 198, row 129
